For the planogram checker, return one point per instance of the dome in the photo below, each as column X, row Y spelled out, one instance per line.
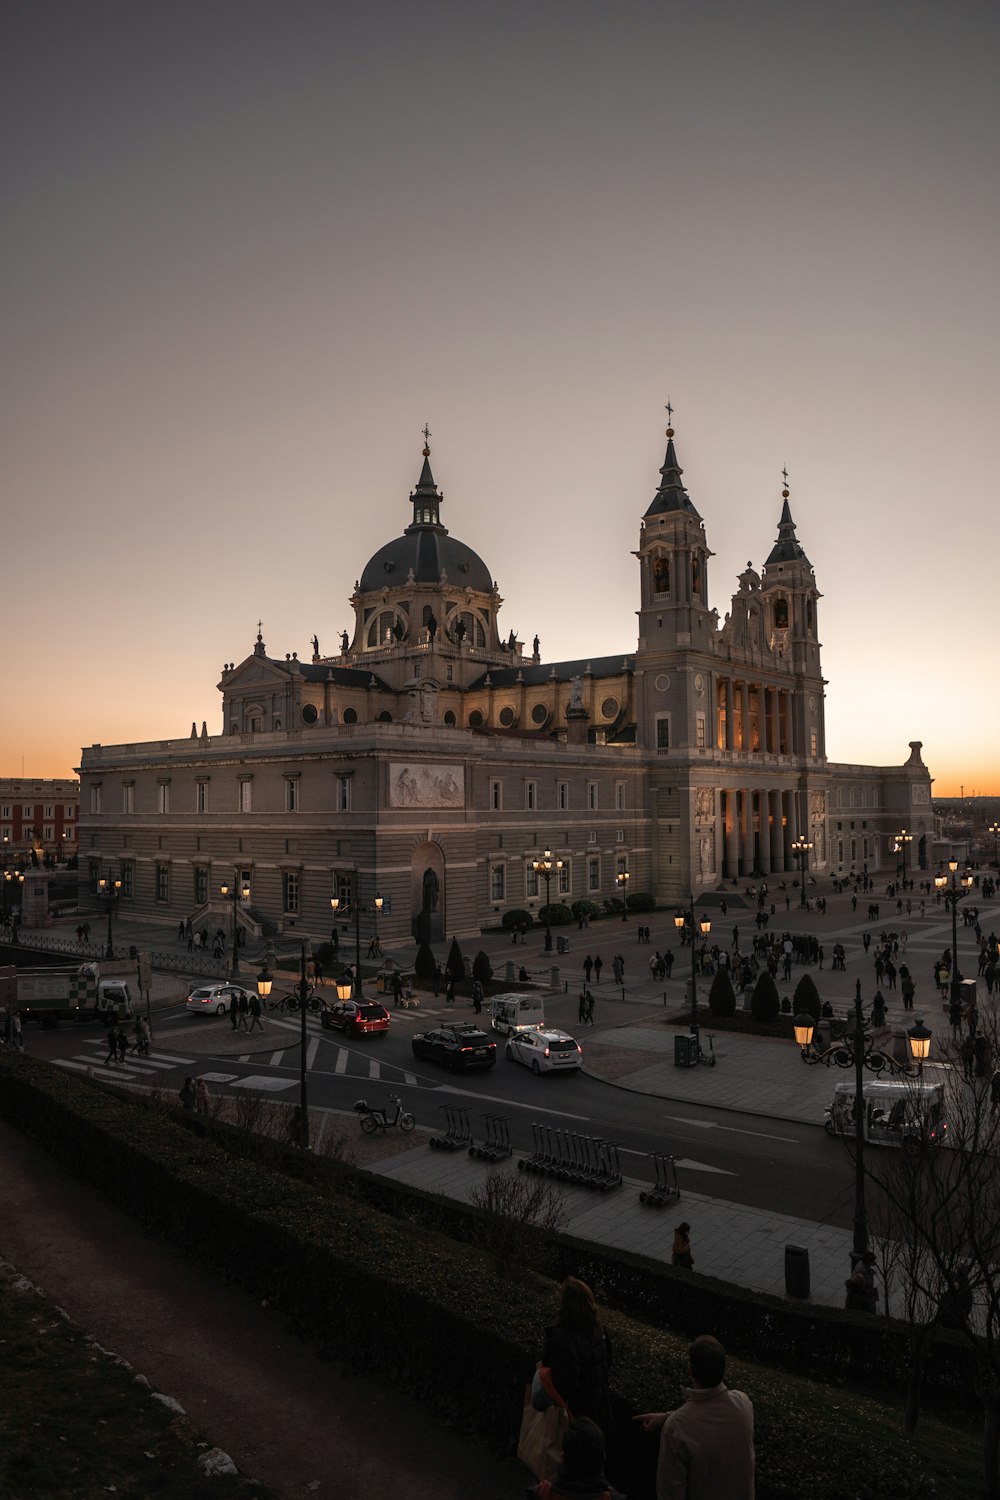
column 429, row 552
column 426, row 548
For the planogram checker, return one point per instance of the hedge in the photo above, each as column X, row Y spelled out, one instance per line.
column 431, row 1313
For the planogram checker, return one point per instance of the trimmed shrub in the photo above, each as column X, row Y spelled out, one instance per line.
column 641, row 901
column 765, row 1003
column 455, row 966
column 722, row 996
column 513, row 921
column 584, row 909
column 425, row 964
column 807, row 997
column 558, row 915
column 482, row 969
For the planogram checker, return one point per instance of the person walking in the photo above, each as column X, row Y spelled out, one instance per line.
column 16, row 1032
column 234, row 1011
column 967, row 1052
column 188, row 1095
column 449, row 991
column 598, row 966
column 255, row 1020
column 578, row 1351
column 588, row 1014
column 581, row 1011
column 681, row 1255
column 243, row 1008
column 112, row 1040
column 122, row 1046
column 878, row 1010
column 588, row 968
column 706, row 1445
column 477, row 997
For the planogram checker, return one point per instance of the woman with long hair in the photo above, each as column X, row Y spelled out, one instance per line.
column 577, row 1349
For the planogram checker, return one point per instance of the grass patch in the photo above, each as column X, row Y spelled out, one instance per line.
column 75, row 1425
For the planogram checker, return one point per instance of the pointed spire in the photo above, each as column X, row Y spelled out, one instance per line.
column 787, row 548
column 425, row 498
column 671, row 495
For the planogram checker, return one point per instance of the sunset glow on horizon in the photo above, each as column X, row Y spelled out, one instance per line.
column 252, row 250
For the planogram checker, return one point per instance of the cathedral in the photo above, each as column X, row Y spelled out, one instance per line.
column 420, row 772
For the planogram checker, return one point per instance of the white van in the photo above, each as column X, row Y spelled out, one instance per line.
column 897, row 1112
column 512, row 1013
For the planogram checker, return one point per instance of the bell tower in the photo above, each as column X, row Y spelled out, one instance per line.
column 789, row 596
column 673, row 566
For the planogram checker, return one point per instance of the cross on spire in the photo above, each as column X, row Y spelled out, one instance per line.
column 260, row 627
column 784, row 476
column 669, row 411
column 427, row 434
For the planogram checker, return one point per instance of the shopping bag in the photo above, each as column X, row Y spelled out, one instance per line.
column 539, row 1446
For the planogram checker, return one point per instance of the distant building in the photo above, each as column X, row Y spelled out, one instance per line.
column 39, row 817
column 432, row 758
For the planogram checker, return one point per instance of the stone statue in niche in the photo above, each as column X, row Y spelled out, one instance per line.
column 576, row 695
column 661, row 575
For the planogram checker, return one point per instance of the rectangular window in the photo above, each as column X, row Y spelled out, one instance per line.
column 496, row 796
column 163, row 882
column 592, row 837
column 48, row 833
column 68, row 815
column 498, row 883
column 5, row 812
column 291, row 794
column 290, row 891
column 95, row 797
column 27, row 812
column 128, row 878
column 530, row 880
column 592, row 795
column 201, row 797
column 128, row 798
column 200, row 885
column 620, row 796
column 531, row 795
column 662, row 733
column 563, row 795
column 564, row 879
column 49, row 812
column 343, row 794
column 593, row 873
column 163, row 796
column 699, row 731
column 813, row 742
column 245, row 796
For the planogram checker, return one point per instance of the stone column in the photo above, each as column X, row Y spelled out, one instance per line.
column 747, row 831
column 777, row 834
column 732, row 832
column 730, row 714
column 745, row 706
column 789, row 800
column 776, row 720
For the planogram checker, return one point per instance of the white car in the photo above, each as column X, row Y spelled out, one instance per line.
column 545, row 1051
column 214, row 999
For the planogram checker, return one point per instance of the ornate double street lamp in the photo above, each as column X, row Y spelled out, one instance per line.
column 952, row 892
column 111, row 889
column 240, row 891
column 544, row 868
column 994, row 828
column 903, row 841
column 801, row 848
column 357, row 907
column 681, row 919
column 622, row 881
column 857, row 1050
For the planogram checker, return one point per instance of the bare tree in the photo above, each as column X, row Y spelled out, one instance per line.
column 517, row 1211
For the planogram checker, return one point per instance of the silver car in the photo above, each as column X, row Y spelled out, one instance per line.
column 545, row 1051
column 214, row 999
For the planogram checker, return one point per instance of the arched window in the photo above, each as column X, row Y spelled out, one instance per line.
column 781, row 614
column 381, row 630
column 661, row 574
column 464, row 625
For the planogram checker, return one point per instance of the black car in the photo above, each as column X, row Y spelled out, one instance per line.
column 458, row 1047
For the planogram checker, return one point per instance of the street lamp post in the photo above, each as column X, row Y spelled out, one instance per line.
column 801, row 848
column 904, row 840
column 858, row 1050
column 704, row 927
column 111, row 889
column 994, row 828
column 952, row 892
column 622, row 879
column 358, row 907
column 239, row 891
column 544, row 868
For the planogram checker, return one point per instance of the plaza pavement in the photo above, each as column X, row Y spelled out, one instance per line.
column 631, row 1048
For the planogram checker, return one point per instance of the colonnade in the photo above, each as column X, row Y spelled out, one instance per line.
column 759, row 827
column 753, row 716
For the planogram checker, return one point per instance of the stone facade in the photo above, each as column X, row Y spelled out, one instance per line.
column 430, row 760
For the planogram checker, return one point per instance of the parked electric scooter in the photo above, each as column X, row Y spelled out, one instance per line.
column 379, row 1119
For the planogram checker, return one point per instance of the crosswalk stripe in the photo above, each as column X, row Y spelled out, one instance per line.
column 341, row 1064
column 276, row 1059
column 374, row 1068
column 86, row 1064
column 311, row 1051
column 410, row 1078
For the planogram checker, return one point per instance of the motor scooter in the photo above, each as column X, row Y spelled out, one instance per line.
column 372, row 1119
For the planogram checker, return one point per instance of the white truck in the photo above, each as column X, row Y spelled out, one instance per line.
column 49, row 996
column 513, row 1012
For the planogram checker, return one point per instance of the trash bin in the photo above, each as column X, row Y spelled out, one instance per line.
column 380, row 983
column 796, row 1271
column 685, row 1051
column 562, row 945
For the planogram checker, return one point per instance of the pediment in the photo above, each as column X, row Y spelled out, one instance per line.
column 251, row 673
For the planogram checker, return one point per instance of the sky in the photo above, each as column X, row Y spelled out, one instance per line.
column 250, row 249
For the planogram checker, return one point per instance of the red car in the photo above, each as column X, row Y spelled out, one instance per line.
column 356, row 1017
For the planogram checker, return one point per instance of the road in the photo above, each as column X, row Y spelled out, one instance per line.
column 761, row 1162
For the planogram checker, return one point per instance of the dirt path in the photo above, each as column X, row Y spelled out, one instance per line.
column 306, row 1427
